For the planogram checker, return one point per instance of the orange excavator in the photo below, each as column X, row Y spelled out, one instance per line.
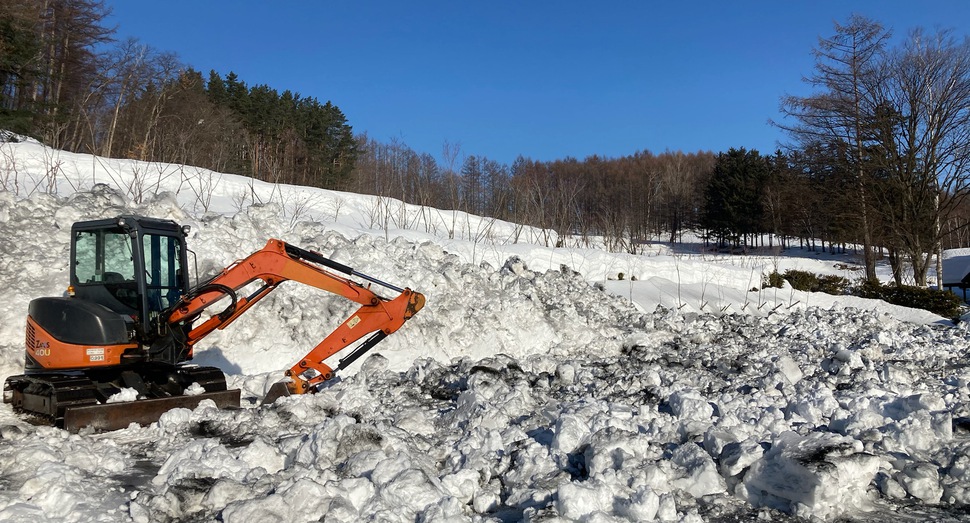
column 128, row 325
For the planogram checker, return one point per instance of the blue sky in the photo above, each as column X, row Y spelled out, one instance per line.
column 544, row 80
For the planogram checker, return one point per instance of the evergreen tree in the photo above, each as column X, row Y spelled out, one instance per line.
column 216, row 89
column 20, row 46
column 734, row 197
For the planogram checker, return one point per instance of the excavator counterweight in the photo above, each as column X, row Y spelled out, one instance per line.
column 131, row 321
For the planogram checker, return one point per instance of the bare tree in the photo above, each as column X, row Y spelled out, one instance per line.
column 70, row 30
column 125, row 74
column 924, row 143
column 679, row 176
column 846, row 72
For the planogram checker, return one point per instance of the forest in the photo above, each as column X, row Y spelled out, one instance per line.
column 877, row 161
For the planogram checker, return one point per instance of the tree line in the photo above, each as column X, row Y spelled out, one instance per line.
column 622, row 202
column 891, row 124
column 65, row 81
column 879, row 152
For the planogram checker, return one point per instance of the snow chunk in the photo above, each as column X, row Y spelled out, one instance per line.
column 263, row 455
column 691, row 405
column 125, row 394
column 305, row 497
column 821, row 474
column 737, row 456
column 922, row 481
column 788, row 368
column 194, row 389
column 516, row 266
column 571, row 431
column 205, row 458
column 642, row 505
column 702, row 477
column 412, row 489
column 577, row 501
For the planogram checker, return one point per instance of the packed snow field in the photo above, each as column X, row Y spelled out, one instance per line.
column 531, row 387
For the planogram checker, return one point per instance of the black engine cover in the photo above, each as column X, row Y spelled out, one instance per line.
column 80, row 322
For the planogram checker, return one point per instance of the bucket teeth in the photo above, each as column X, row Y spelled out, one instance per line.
column 278, row 390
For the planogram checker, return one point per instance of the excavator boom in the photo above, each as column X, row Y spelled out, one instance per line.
column 278, row 262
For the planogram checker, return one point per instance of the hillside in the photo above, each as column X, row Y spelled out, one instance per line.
column 535, row 384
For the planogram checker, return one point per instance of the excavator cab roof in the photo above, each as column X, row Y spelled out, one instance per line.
column 131, row 223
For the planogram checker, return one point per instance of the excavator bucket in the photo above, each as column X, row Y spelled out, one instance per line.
column 113, row 416
column 276, row 391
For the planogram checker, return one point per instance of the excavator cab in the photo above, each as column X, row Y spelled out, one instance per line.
column 110, row 333
column 132, row 265
column 125, row 273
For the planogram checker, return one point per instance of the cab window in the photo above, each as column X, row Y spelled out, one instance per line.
column 162, row 270
column 103, row 257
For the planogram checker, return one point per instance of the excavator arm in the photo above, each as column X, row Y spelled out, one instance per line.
column 278, row 262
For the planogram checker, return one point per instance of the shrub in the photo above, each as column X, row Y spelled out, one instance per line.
column 772, row 279
column 802, row 280
column 833, row 284
column 807, row 281
column 943, row 303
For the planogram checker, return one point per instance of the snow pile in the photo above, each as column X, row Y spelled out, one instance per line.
column 703, row 418
column 525, row 390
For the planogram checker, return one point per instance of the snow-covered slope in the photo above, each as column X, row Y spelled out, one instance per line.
column 532, row 386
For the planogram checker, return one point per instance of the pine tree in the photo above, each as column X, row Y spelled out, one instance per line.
column 19, row 47
column 734, row 199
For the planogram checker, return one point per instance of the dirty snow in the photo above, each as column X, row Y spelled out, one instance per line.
column 535, row 384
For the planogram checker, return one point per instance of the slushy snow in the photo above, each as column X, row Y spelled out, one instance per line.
column 533, row 386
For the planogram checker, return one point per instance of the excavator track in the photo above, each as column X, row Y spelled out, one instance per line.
column 77, row 401
column 47, row 397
